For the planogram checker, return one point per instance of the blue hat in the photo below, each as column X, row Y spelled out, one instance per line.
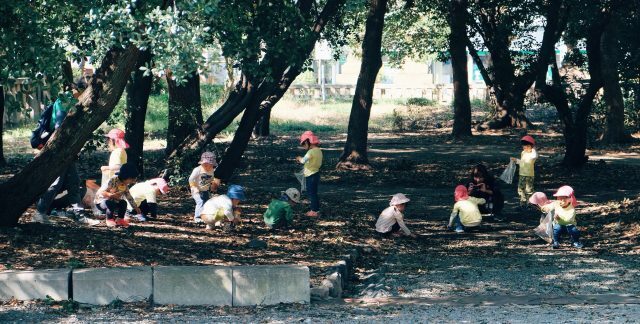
column 236, row 192
column 128, row 171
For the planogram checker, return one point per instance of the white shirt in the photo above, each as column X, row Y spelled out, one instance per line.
column 389, row 217
column 216, row 208
column 143, row 191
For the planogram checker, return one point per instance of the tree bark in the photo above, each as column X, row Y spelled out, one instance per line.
column 185, row 110
column 246, row 94
column 577, row 138
column 138, row 91
column 96, row 103
column 508, row 88
column 67, row 73
column 457, row 48
column 614, row 131
column 354, row 155
column 262, row 128
column 3, row 161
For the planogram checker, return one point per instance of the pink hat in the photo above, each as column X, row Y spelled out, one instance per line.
column 208, row 157
column 528, row 139
column 308, row 135
column 461, row 193
column 539, row 198
column 161, row 184
column 566, row 191
column 118, row 136
column 398, row 199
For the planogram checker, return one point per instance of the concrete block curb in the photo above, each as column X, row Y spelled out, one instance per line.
column 337, row 280
column 101, row 286
column 36, row 284
column 269, row 285
column 193, row 285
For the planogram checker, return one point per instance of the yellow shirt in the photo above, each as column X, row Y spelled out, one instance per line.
column 312, row 161
column 526, row 162
column 566, row 215
column 143, row 191
column 117, row 158
column 468, row 210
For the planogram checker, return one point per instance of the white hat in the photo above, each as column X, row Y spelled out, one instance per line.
column 293, row 194
column 398, row 199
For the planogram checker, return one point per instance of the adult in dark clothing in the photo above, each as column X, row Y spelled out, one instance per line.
column 483, row 185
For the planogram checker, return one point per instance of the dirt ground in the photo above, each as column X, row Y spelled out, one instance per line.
column 504, row 258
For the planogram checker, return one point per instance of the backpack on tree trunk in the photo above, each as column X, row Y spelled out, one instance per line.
column 42, row 133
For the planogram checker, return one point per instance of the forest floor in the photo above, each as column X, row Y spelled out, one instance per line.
column 504, row 263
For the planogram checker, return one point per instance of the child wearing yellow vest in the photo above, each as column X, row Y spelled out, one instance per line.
column 465, row 211
column 564, row 216
column 312, row 162
column 118, row 157
column 526, row 173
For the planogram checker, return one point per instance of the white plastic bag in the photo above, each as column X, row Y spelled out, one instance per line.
column 545, row 229
column 300, row 177
column 509, row 172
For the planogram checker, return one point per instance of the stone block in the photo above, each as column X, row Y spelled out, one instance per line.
column 269, row 285
column 193, row 285
column 101, row 286
column 36, row 284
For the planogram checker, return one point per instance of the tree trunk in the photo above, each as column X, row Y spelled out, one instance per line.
column 262, row 128
column 577, row 139
column 510, row 89
column 457, row 48
column 229, row 85
column 246, row 93
column 3, row 161
column 354, row 156
column 67, row 73
column 614, row 131
column 96, row 103
column 138, row 90
column 185, row 110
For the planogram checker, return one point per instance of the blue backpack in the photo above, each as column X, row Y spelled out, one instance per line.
column 42, row 133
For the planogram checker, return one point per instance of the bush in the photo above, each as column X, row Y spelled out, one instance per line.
column 420, row 102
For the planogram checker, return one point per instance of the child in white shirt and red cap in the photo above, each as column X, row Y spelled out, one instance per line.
column 391, row 219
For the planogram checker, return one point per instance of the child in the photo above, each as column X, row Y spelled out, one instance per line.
column 391, row 219
column 118, row 157
column 201, row 182
column 527, row 160
column 465, row 210
column 279, row 213
column 564, row 219
column 145, row 197
column 217, row 208
column 109, row 196
column 484, row 186
column 312, row 162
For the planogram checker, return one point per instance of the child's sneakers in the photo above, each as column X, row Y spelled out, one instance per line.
column 555, row 245
column 198, row 220
column 459, row 230
column 88, row 221
column 577, row 245
column 140, row 218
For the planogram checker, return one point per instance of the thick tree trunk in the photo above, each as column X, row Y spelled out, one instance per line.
column 185, row 110
column 262, row 128
column 577, row 139
column 67, row 73
column 457, row 48
column 138, row 90
column 246, row 94
column 614, row 131
column 510, row 89
column 96, row 103
column 3, row 161
column 354, row 156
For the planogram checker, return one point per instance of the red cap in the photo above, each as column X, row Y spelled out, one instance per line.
column 528, row 139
